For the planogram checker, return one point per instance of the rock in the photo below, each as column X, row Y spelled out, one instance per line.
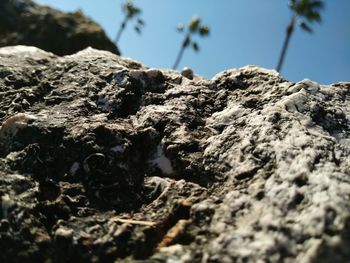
column 187, row 73
column 64, row 233
column 23, row 22
column 103, row 159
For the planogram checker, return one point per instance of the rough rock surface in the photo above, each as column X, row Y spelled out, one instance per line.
column 103, row 159
column 23, row 22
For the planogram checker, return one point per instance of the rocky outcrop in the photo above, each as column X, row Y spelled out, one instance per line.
column 22, row 22
column 103, row 159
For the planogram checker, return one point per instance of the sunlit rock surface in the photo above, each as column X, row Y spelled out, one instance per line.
column 103, row 159
column 23, row 22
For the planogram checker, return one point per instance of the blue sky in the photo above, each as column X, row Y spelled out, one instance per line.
column 242, row 32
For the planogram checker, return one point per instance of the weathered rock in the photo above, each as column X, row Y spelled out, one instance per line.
column 23, row 22
column 103, row 159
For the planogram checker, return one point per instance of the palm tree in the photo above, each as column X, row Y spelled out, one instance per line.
column 130, row 11
column 194, row 27
column 305, row 12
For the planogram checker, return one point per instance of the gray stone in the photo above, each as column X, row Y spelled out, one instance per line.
column 103, row 159
column 187, row 73
column 23, row 22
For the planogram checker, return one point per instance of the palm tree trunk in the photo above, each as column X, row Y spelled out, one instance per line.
column 179, row 56
column 289, row 33
column 185, row 43
column 121, row 29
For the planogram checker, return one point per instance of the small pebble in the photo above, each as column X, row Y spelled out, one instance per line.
column 187, row 73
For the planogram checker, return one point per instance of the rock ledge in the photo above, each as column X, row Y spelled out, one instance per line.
column 103, row 159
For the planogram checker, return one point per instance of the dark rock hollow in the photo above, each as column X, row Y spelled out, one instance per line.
column 105, row 160
column 23, row 22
